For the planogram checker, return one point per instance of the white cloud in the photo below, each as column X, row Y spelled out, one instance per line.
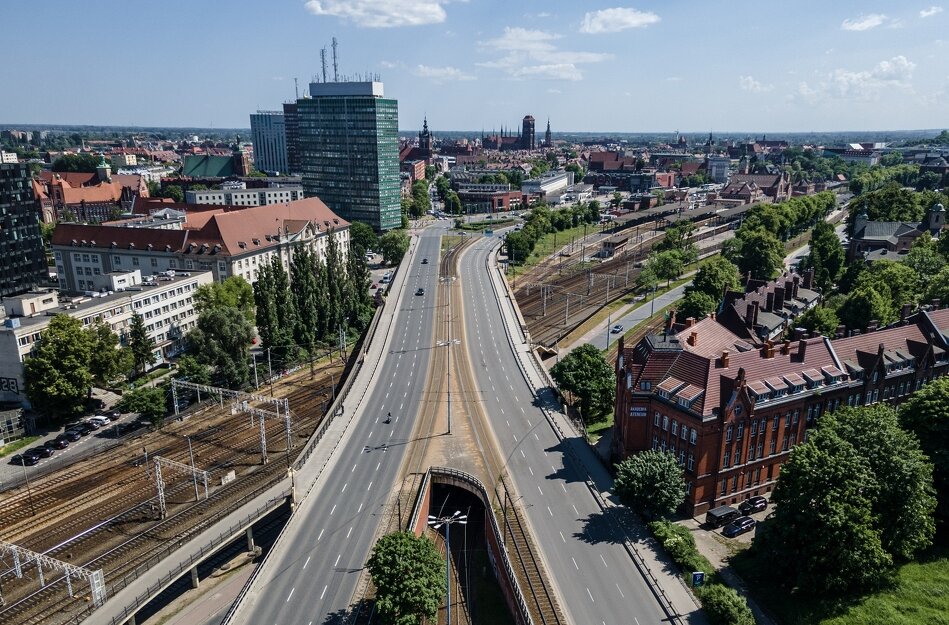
column 526, row 53
column 382, row 13
column 748, row 83
column 441, row 74
column 864, row 22
column 554, row 91
column 616, row 20
column 392, row 64
column 930, row 11
column 673, row 79
column 843, row 84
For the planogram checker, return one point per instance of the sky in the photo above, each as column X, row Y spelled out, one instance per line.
column 696, row 66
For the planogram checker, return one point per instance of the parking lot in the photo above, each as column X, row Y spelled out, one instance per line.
column 716, row 547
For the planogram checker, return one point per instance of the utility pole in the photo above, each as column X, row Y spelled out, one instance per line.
column 194, row 473
column 270, row 371
column 335, row 68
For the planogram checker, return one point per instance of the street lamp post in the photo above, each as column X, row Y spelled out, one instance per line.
column 435, row 523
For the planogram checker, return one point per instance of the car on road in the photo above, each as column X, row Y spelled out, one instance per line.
column 100, row 420
column 420, row 291
column 85, row 428
column 424, row 261
column 27, row 458
column 617, row 328
column 72, row 435
column 752, row 505
column 115, row 415
column 739, row 526
column 43, row 451
column 60, row 442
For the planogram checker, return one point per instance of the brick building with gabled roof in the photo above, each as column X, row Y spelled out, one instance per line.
column 226, row 240
column 731, row 417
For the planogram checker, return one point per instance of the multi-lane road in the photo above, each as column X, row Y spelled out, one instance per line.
column 312, row 573
column 596, row 579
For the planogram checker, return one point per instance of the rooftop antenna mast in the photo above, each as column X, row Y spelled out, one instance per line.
column 296, row 88
column 335, row 69
column 323, row 61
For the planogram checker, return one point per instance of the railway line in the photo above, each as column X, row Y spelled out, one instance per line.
column 103, row 514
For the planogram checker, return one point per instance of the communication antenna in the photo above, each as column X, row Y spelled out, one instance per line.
column 323, row 61
column 296, row 88
column 335, row 69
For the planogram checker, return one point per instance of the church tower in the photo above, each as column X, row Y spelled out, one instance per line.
column 425, row 140
column 548, row 142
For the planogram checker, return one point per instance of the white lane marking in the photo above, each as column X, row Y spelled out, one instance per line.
column 522, row 409
column 575, row 511
column 550, row 511
column 562, row 538
column 378, row 465
column 545, row 453
column 515, row 437
column 401, row 406
column 333, row 510
column 622, row 596
column 591, row 595
column 307, row 561
column 344, row 487
column 353, row 469
column 370, row 434
column 528, row 422
column 351, row 531
column 563, row 487
column 337, row 559
column 522, row 454
column 508, row 422
column 502, row 409
column 291, row 593
column 370, row 486
column 531, row 470
column 604, row 561
column 540, row 491
column 360, row 509
column 322, row 594
column 535, row 436
column 575, row 565
column 321, row 534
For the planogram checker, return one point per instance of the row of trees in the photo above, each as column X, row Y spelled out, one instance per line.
column 520, row 243
column 69, row 358
column 669, row 256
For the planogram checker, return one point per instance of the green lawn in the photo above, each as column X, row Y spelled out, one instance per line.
column 9, row 448
column 553, row 241
column 919, row 595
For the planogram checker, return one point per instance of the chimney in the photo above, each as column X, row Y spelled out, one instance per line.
column 797, row 282
column 788, row 290
column 712, row 315
column 778, row 299
column 799, row 333
column 767, row 350
column 904, row 312
column 936, row 303
column 724, row 359
column 749, row 315
column 769, row 302
column 754, row 319
column 672, row 320
column 693, row 338
column 786, row 347
column 809, row 278
column 801, row 349
column 689, row 322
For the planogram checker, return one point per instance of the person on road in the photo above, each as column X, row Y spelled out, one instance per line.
column 389, row 418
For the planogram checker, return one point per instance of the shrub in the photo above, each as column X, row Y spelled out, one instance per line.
column 724, row 606
column 679, row 543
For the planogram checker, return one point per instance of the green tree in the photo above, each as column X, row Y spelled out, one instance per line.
column 938, row 287
column 863, row 306
column 362, row 235
column 409, row 576
column 235, row 292
column 723, row 606
column 106, row 360
column 756, row 251
column 826, row 256
column 666, row 265
column 284, row 348
column 147, row 401
column 57, row 372
column 651, row 483
column 221, row 339
column 714, row 277
column 189, row 369
column 268, row 322
column 421, row 203
column 77, row 162
column 46, row 231
column 895, row 281
column 696, row 304
column 173, row 192
column 393, row 245
column 926, row 414
column 453, row 203
column 821, row 319
column 925, row 260
column 140, row 344
column 306, row 294
column 586, row 375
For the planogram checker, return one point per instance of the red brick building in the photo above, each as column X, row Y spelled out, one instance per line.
column 731, row 413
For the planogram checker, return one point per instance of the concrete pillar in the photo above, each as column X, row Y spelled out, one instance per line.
column 195, row 581
column 250, row 538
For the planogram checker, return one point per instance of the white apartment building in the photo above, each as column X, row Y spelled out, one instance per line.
column 8, row 157
column 245, row 197
column 165, row 303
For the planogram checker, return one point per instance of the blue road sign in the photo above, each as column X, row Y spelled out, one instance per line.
column 698, row 578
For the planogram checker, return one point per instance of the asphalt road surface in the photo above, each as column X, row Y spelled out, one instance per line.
column 312, row 575
column 597, row 581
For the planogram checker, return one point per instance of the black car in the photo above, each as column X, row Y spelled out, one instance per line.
column 420, row 291
column 72, row 435
column 27, row 458
column 739, row 526
column 755, row 504
column 43, row 452
column 60, row 442
column 85, row 428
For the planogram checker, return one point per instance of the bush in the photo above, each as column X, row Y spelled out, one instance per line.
column 724, row 606
column 680, row 544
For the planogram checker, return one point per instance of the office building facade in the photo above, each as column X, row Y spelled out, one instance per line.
column 349, row 151
column 269, row 135
column 291, row 123
column 22, row 260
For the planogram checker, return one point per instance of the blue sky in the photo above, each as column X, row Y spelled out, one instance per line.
column 472, row 64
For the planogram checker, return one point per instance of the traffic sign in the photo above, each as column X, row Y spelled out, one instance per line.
column 698, row 578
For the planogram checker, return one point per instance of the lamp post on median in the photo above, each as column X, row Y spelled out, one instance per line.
column 435, row 523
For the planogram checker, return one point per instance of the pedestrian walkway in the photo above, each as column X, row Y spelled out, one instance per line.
column 646, row 554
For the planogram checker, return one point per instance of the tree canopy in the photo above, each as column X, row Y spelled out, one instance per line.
column 756, row 251
column 234, row 291
column 393, row 245
column 148, row 401
column 77, row 162
column 651, row 482
column 362, row 235
column 926, row 414
column 221, row 339
column 409, row 576
column 826, row 256
column 713, row 277
column 107, row 361
column 585, row 374
column 57, row 372
column 141, row 345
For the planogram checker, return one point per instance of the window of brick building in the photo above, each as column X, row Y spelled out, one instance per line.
column 727, row 458
column 684, row 433
column 728, row 433
column 692, row 436
column 725, row 486
column 754, row 427
column 665, row 423
column 738, row 455
column 784, row 443
column 691, row 463
column 734, row 483
column 655, row 420
column 774, row 424
column 675, row 428
column 740, row 432
column 774, row 444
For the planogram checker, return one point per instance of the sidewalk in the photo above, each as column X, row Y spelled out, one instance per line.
column 655, row 565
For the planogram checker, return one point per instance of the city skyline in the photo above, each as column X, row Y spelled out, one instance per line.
column 603, row 67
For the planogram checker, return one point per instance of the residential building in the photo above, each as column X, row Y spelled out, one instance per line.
column 164, row 302
column 291, row 124
column 767, row 309
column 268, row 133
column 717, row 168
column 349, row 151
column 8, row 157
column 731, row 414
column 245, row 197
column 87, row 196
column 228, row 241
column 120, row 160
column 874, row 240
column 774, row 186
column 22, row 258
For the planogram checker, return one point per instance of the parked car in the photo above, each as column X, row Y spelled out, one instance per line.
column 27, row 458
column 85, row 428
column 72, row 435
column 721, row 515
column 115, row 415
column 617, row 328
column 60, row 442
column 755, row 504
column 99, row 419
column 420, row 291
column 739, row 526
column 43, row 451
